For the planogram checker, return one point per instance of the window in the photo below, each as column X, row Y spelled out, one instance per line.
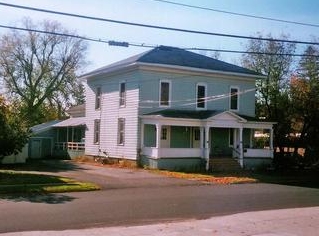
column 122, row 94
column 164, row 93
column 201, row 96
column 234, row 98
column 196, row 134
column 97, row 131
column 121, row 131
column 98, row 94
column 164, row 133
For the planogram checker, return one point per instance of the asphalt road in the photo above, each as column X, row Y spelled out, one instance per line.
column 143, row 200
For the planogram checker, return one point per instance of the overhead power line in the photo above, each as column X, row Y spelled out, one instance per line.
column 127, row 44
column 156, row 26
column 109, row 42
column 237, row 14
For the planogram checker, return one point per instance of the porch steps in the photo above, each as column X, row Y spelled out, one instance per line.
column 224, row 164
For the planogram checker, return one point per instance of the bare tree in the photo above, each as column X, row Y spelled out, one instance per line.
column 39, row 69
column 275, row 61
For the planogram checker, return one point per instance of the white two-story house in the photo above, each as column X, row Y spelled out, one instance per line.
column 169, row 108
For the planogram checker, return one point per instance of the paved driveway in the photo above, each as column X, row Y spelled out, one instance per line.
column 112, row 178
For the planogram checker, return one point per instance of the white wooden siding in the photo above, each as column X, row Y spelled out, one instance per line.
column 110, row 113
column 91, row 114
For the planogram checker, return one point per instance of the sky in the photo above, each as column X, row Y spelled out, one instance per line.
column 168, row 15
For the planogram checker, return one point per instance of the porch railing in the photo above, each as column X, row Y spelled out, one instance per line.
column 236, row 153
column 260, row 153
column 172, row 152
column 76, row 146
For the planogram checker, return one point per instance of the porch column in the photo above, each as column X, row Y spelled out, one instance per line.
column 67, row 138
column 158, row 139
column 235, row 138
column 241, row 149
column 271, row 141
column 201, row 142
column 142, row 135
column 207, row 147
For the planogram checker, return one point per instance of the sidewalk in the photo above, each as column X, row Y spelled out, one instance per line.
column 286, row 222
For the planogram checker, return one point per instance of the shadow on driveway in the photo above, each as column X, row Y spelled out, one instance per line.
column 38, row 198
column 54, row 166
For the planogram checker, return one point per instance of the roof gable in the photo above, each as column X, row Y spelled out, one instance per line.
column 227, row 116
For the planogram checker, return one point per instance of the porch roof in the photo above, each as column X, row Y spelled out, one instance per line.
column 185, row 114
column 193, row 114
column 71, row 122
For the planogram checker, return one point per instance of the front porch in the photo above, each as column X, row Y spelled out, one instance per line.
column 69, row 138
column 222, row 135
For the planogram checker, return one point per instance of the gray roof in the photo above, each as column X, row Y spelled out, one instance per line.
column 71, row 122
column 44, row 126
column 176, row 57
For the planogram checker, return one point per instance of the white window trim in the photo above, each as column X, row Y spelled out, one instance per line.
column 169, row 94
column 122, row 82
column 205, row 100
column 119, row 132
column 238, row 97
column 100, row 97
column 98, row 131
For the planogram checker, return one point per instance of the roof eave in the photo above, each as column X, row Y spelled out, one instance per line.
column 134, row 65
column 199, row 70
column 107, row 71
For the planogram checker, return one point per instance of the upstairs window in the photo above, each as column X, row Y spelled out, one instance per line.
column 201, row 96
column 122, row 94
column 96, row 131
column 121, row 131
column 98, row 95
column 234, row 98
column 165, row 93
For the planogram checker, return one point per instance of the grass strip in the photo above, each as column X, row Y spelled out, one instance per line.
column 15, row 182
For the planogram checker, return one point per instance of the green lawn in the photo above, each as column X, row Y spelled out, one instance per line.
column 19, row 182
